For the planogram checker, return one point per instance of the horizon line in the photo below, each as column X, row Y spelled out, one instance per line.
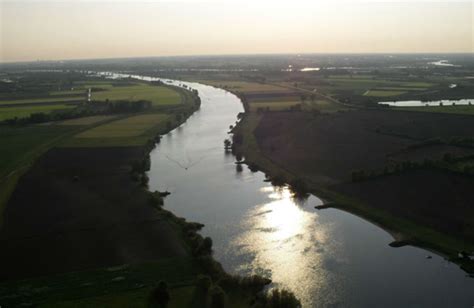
column 241, row 54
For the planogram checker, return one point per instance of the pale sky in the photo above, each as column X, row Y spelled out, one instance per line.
column 79, row 29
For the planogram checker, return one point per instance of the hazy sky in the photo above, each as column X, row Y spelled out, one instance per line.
column 74, row 29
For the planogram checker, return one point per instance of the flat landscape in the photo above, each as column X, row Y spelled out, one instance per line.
column 236, row 154
column 77, row 167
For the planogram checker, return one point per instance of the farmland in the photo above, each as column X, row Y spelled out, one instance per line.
column 86, row 188
column 19, row 147
column 158, row 95
column 469, row 110
column 382, row 93
column 89, row 210
column 86, row 120
column 132, row 131
column 47, row 101
column 129, row 127
column 82, row 183
column 23, row 144
column 25, row 111
column 326, row 150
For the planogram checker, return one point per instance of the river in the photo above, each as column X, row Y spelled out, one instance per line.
column 326, row 257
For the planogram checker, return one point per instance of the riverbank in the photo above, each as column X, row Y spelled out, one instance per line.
column 324, row 182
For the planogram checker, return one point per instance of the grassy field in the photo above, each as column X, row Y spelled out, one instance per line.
column 441, row 109
column 243, row 86
column 369, row 80
column 383, row 93
column 323, row 105
column 40, row 100
column 365, row 86
column 158, row 95
column 131, row 131
column 273, row 105
column 129, row 127
column 181, row 296
column 121, row 286
column 19, row 147
column 86, row 120
column 25, row 111
column 423, row 220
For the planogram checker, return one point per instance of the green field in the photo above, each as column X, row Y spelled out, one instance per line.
column 383, row 93
column 243, row 86
column 86, row 120
column 41, row 100
column 19, row 147
column 181, row 296
column 273, row 105
column 369, row 86
column 441, row 109
column 401, row 88
column 381, row 82
column 121, row 286
column 23, row 112
column 324, row 106
column 129, row 127
column 158, row 95
column 126, row 286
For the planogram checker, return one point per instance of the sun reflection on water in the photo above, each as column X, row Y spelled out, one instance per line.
column 285, row 243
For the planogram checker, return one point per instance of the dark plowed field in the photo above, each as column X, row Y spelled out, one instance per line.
column 441, row 200
column 329, row 147
column 79, row 209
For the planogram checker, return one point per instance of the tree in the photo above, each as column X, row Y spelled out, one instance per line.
column 159, row 296
column 203, row 283
column 227, row 144
column 217, row 297
column 279, row 299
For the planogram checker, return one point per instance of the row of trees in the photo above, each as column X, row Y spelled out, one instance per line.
column 83, row 110
column 447, row 162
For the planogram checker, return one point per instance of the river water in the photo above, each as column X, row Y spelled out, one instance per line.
column 328, row 258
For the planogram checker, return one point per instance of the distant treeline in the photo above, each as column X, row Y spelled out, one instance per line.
column 447, row 163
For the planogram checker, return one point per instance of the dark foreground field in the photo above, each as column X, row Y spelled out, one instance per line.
column 330, row 146
column 79, row 209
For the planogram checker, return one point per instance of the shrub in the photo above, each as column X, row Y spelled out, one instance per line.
column 155, row 199
column 279, row 299
column 203, row 283
column 299, row 187
column 159, row 296
column 217, row 297
column 144, row 180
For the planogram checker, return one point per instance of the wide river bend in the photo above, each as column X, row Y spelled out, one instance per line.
column 326, row 257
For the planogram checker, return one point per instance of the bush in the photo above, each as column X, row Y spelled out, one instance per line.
column 144, row 180
column 359, row 175
column 155, row 199
column 203, row 283
column 217, row 297
column 238, row 138
column 299, row 187
column 159, row 296
column 279, row 299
